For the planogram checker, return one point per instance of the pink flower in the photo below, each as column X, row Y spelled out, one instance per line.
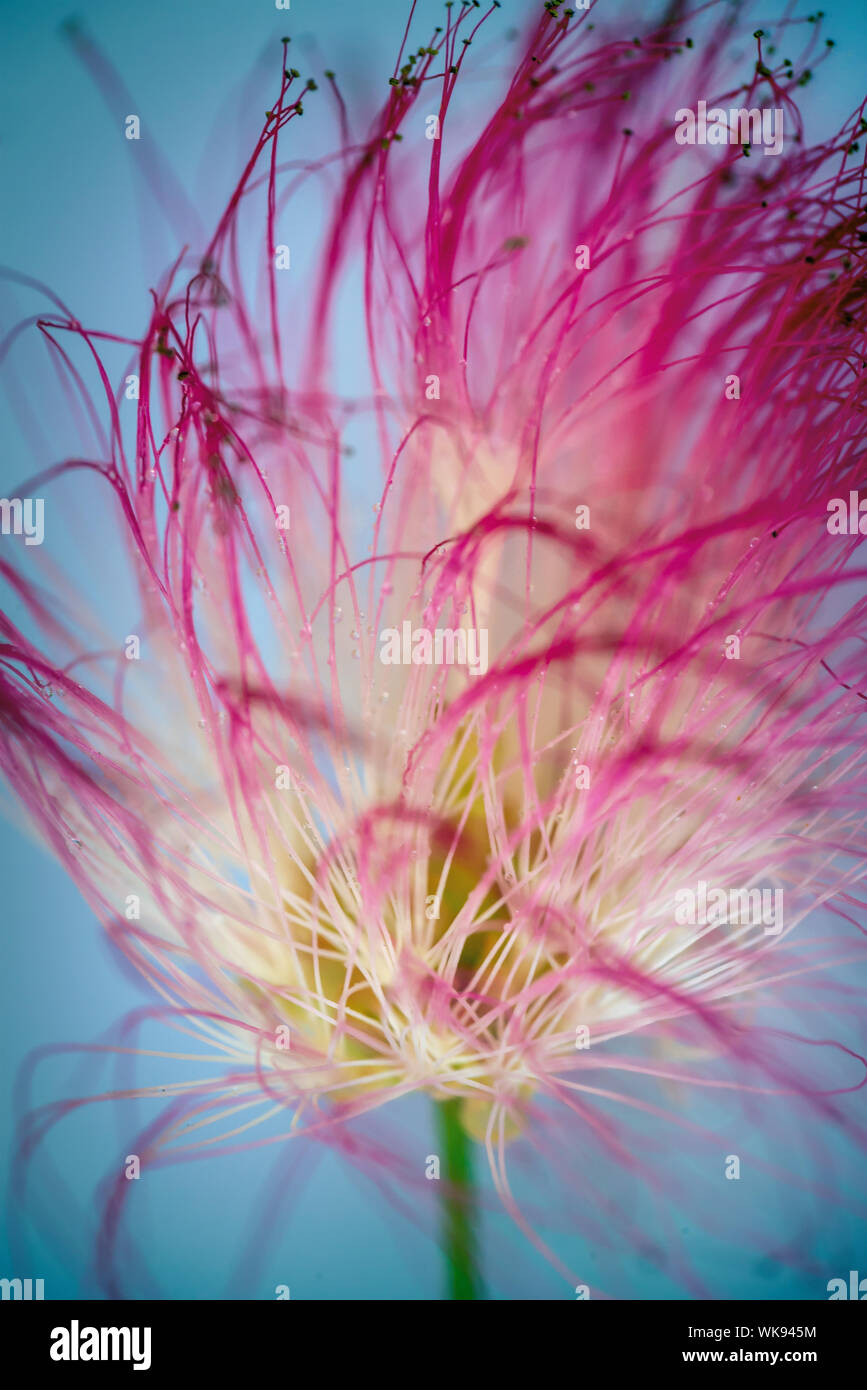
column 417, row 790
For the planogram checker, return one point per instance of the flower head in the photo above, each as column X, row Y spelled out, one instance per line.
column 443, row 692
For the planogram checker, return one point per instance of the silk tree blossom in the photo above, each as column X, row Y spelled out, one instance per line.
column 613, row 383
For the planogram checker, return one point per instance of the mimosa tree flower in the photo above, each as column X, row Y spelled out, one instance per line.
column 611, row 385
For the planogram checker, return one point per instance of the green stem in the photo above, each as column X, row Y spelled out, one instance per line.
column 458, row 1203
